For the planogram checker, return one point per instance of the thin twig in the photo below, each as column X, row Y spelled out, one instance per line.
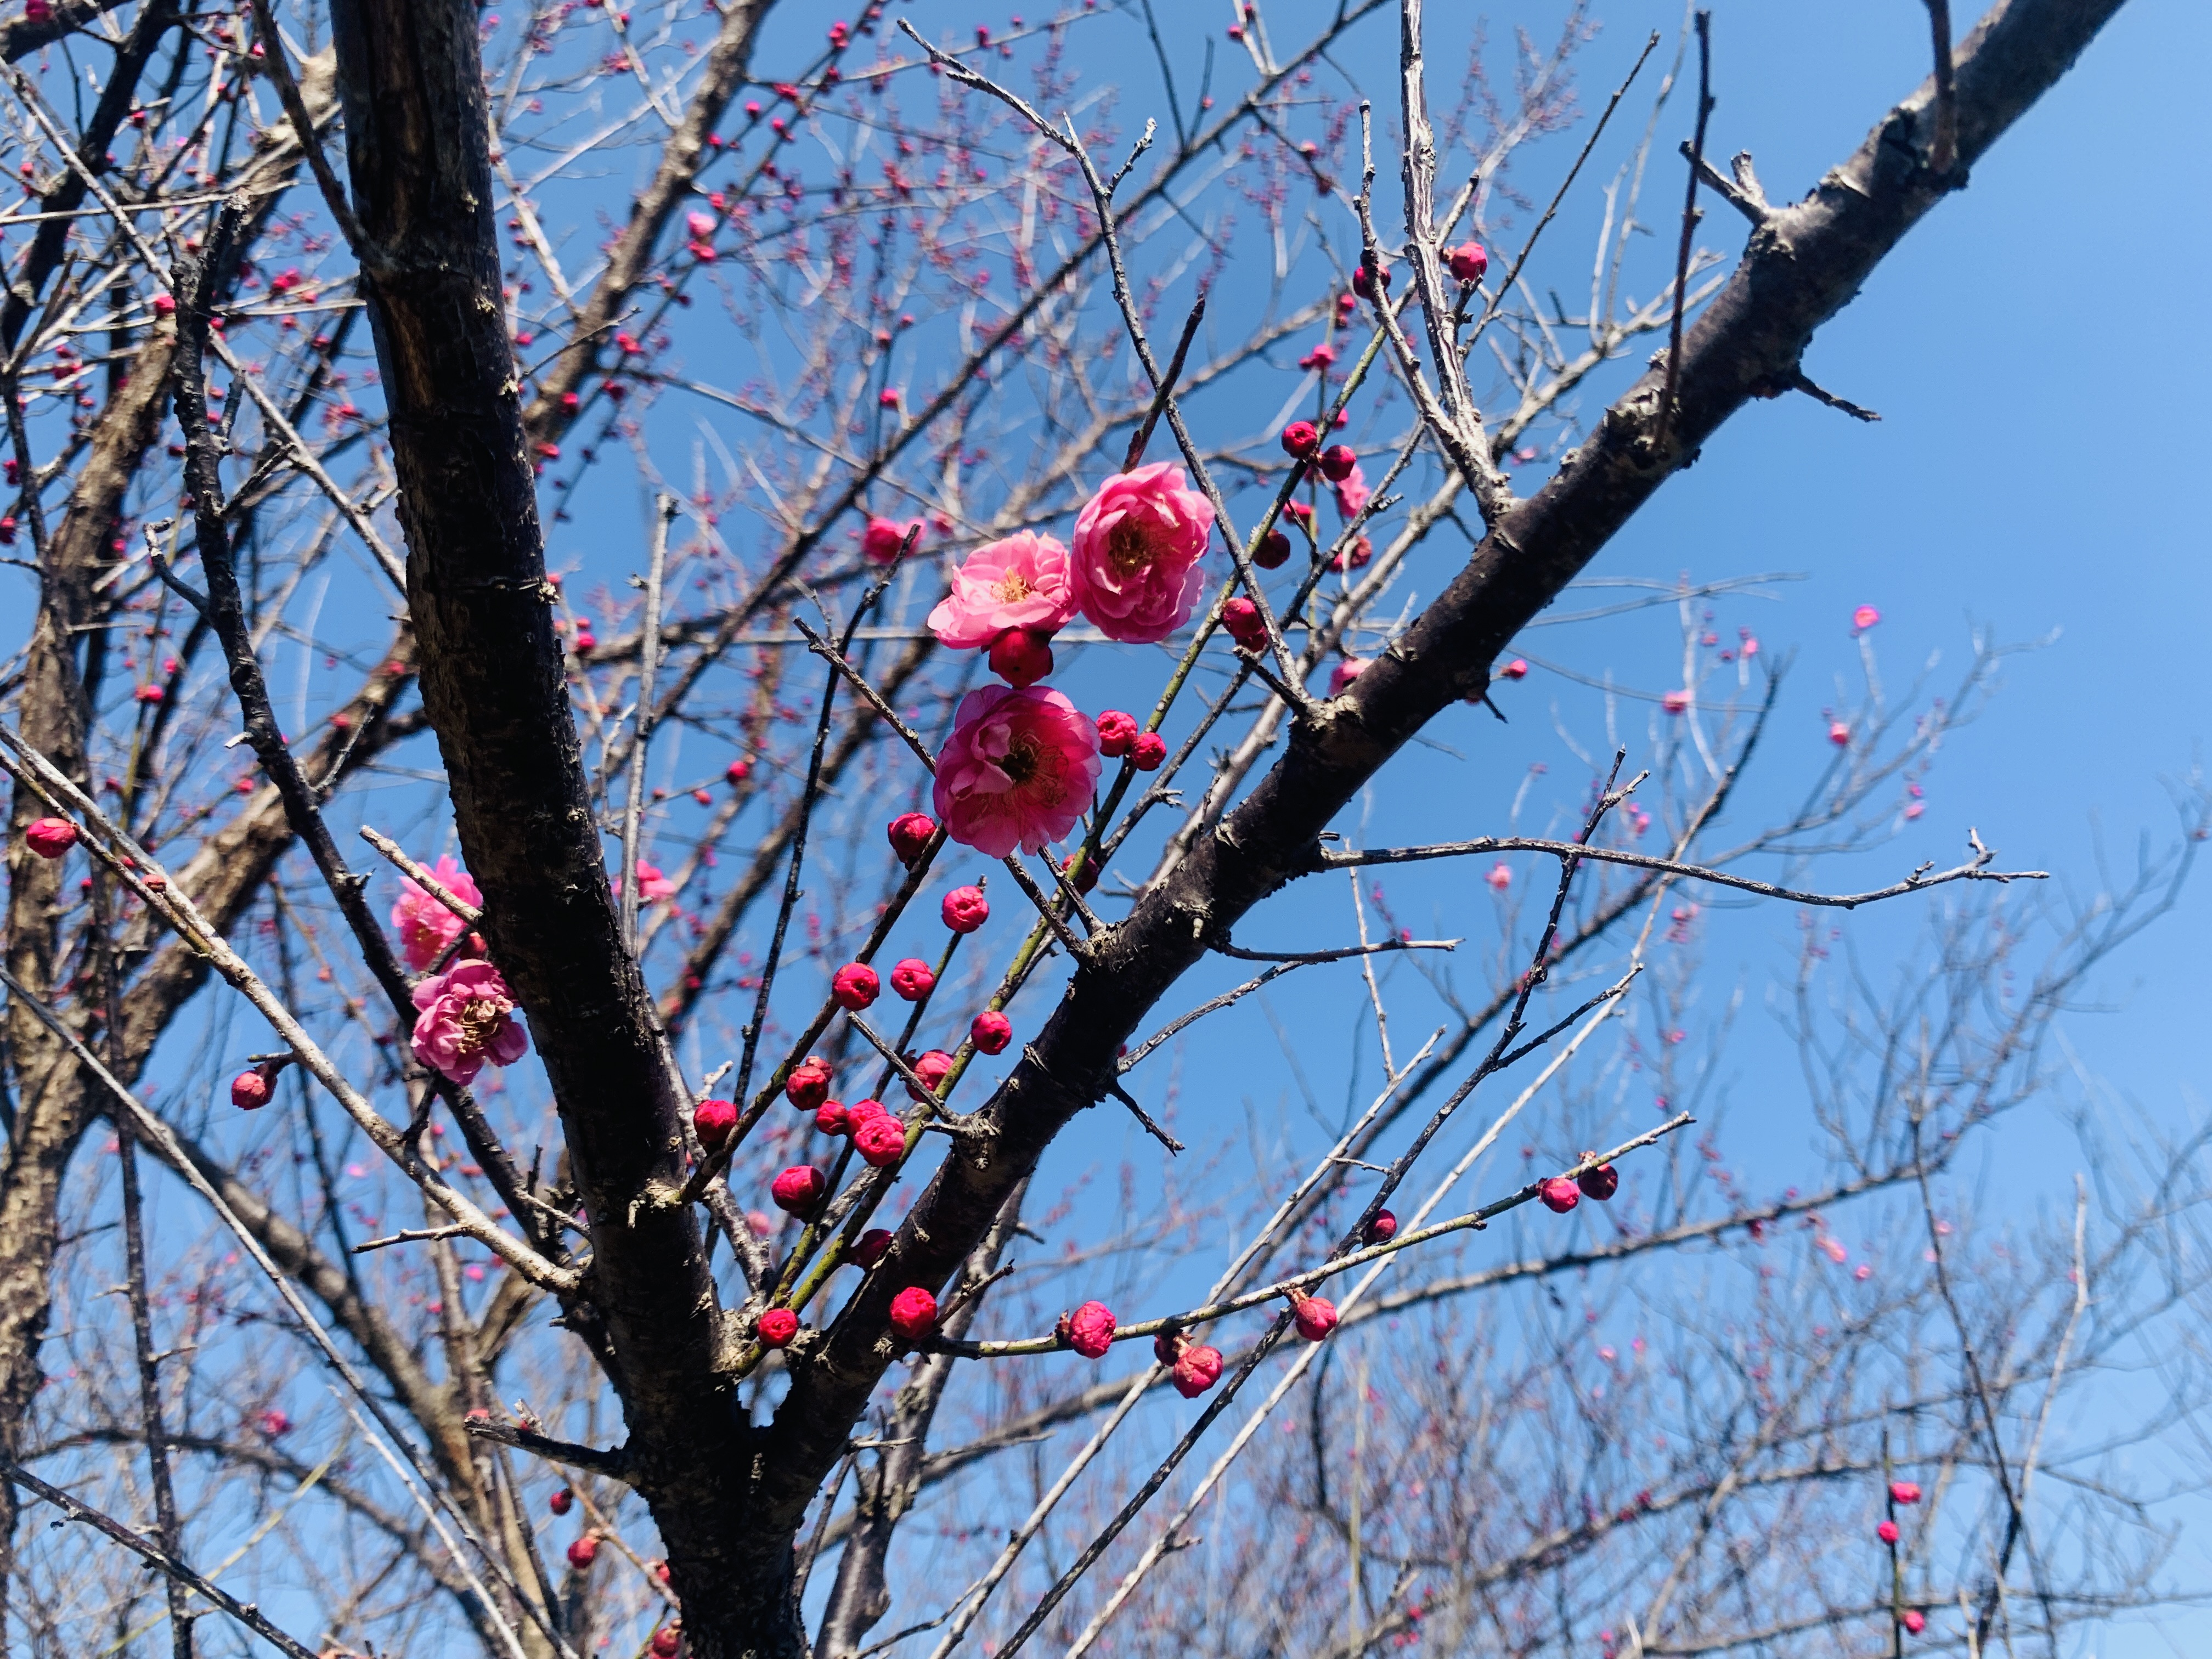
column 1689, row 217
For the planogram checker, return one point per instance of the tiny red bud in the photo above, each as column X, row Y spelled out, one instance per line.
column 777, row 1326
column 965, row 909
column 991, row 1032
column 1600, row 1183
column 1301, row 439
column 1904, row 1492
column 868, row 1248
column 1089, row 1329
column 1468, row 261
column 932, row 1069
column 50, row 837
column 914, row 1313
column 1274, row 550
column 1560, row 1194
column 1116, row 732
column 1315, row 1317
column 1241, row 621
column 1886, row 1532
column 665, row 1641
column 1149, row 750
column 832, row 1118
column 798, row 1188
column 1382, row 1229
column 1914, row 1621
column 249, row 1091
column 909, row 833
column 881, row 1141
column 1021, row 656
column 855, row 985
column 1337, row 463
column 712, row 1120
column 913, row 979
column 1196, row 1370
column 808, row 1085
column 583, row 1552
column 561, row 1502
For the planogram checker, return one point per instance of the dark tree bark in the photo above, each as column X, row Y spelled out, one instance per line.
column 729, row 1500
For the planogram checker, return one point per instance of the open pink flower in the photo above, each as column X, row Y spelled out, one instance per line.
column 467, row 1018
column 1020, row 769
column 1138, row 543
column 426, row 926
column 1023, row 581
column 651, row 885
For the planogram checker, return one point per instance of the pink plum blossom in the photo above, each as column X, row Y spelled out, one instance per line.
column 1022, row 581
column 651, row 885
column 1500, row 876
column 1351, row 493
column 881, row 541
column 1020, row 769
column 467, row 1018
column 1675, row 702
column 1863, row 618
column 426, row 928
column 1138, row 543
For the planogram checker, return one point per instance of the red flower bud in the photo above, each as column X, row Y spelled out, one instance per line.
column 1168, row 1347
column 798, row 1188
column 1196, row 1370
column 1146, row 753
column 1904, row 1492
column 1363, row 280
column 1301, row 439
column 1116, row 732
column 1314, row 1315
column 50, row 837
column 1600, row 1183
column 739, row 772
column 1560, row 1195
column 1240, row 620
column 855, row 985
column 665, row 1641
column 913, row 979
column 832, row 1119
column 965, row 909
column 1914, row 1621
column 777, row 1326
column 861, row 1111
column 1382, row 1229
column 712, row 1121
column 561, row 1501
column 1089, row 1329
column 249, row 1091
column 932, row 1069
column 808, row 1085
column 991, row 1032
column 1515, row 669
column 1337, row 462
column 868, row 1248
column 881, row 1141
column 910, row 833
column 1274, row 550
column 914, row 1313
column 1021, row 656
column 1886, row 1532
column 1468, row 261
column 583, row 1552
column 1083, row 879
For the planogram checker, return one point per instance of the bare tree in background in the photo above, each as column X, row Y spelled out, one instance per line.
column 432, row 1343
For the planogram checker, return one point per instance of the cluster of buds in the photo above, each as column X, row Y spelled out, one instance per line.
column 1560, row 1194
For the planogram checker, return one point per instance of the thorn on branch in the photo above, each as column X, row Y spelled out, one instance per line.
column 1144, row 1118
column 1795, row 380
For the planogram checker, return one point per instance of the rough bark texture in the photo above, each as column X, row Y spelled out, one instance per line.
column 493, row 687
column 729, row 1500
